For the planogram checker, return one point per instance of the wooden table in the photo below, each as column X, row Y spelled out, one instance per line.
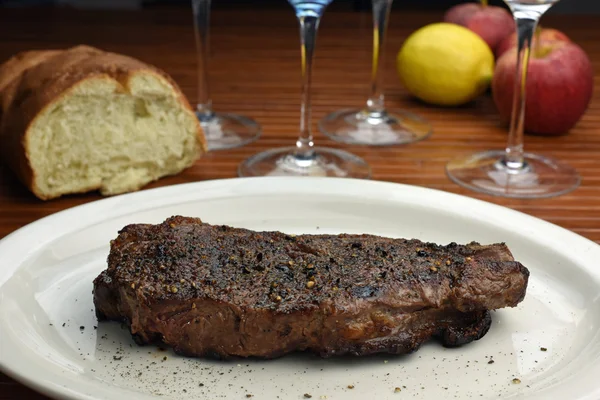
column 255, row 71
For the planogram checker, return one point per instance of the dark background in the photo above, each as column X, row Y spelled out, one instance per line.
column 564, row 6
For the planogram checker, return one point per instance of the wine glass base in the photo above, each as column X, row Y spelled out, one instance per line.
column 354, row 126
column 325, row 162
column 227, row 131
column 486, row 172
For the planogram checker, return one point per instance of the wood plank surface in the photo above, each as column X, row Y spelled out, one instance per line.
column 255, row 71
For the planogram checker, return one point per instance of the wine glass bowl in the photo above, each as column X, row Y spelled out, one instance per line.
column 374, row 124
column 512, row 172
column 306, row 159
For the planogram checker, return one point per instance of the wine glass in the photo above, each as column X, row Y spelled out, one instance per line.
column 305, row 159
column 373, row 124
column 512, row 172
column 222, row 130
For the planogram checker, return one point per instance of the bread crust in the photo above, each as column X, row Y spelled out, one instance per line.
column 33, row 80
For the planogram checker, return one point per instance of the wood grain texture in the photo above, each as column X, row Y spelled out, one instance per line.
column 255, row 71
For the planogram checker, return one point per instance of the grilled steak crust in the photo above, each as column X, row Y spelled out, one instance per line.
column 225, row 292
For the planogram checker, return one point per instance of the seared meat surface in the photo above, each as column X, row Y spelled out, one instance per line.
column 225, row 292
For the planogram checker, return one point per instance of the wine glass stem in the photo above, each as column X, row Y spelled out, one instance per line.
column 381, row 14
column 308, row 35
column 526, row 22
column 201, row 11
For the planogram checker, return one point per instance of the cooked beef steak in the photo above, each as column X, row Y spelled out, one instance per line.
column 223, row 292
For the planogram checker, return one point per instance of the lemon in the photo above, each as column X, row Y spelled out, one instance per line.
column 445, row 64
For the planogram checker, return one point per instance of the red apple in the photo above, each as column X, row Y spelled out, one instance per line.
column 491, row 23
column 559, row 87
column 545, row 34
column 461, row 13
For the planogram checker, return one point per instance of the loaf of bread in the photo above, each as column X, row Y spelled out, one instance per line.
column 82, row 119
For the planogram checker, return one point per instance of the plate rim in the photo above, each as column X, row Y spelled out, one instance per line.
column 202, row 189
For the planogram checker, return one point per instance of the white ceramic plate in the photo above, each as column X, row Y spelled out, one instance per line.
column 48, row 338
